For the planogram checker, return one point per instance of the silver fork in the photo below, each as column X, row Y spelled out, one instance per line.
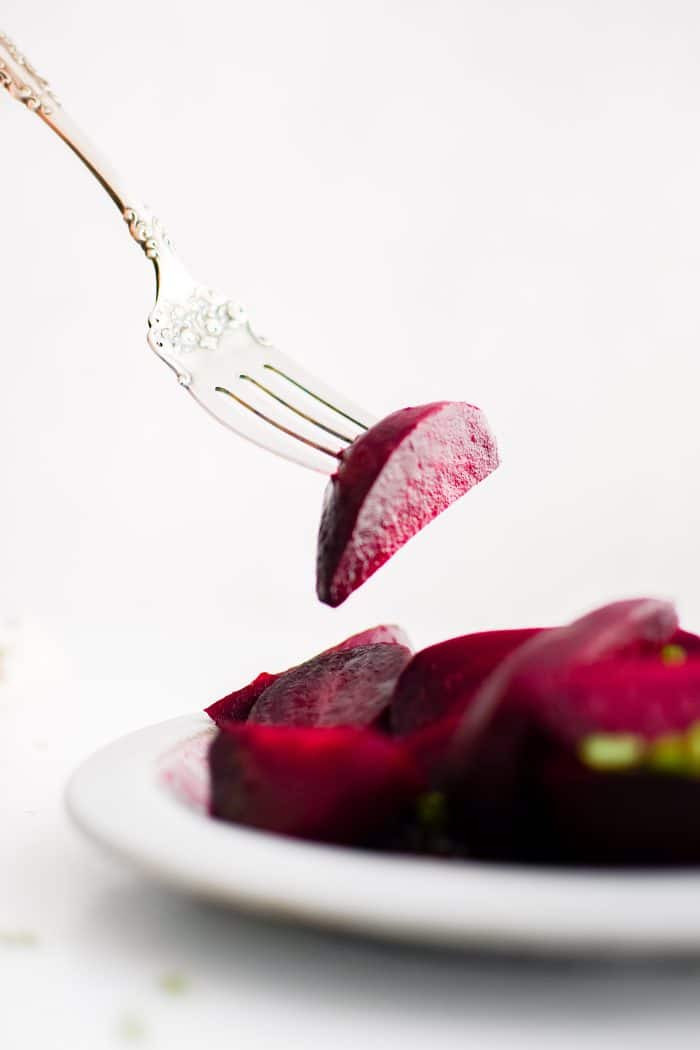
column 207, row 340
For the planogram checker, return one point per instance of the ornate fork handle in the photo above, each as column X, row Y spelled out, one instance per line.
column 23, row 82
column 207, row 339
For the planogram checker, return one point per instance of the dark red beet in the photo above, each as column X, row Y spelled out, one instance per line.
column 384, row 634
column 333, row 785
column 576, row 814
column 430, row 746
column 644, row 696
column 531, row 675
column 237, row 705
column 579, row 816
column 492, row 761
column 689, row 642
column 391, row 482
column 443, row 678
column 346, row 687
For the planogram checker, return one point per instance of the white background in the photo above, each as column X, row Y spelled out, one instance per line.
column 495, row 202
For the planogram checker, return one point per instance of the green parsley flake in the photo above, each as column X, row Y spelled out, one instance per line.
column 673, row 655
column 431, row 810
column 612, row 751
column 677, row 754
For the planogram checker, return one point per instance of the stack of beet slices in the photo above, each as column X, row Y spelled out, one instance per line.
column 576, row 744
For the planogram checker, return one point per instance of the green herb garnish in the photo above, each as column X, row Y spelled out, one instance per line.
column 673, row 655
column 612, row 751
column 431, row 810
column 676, row 754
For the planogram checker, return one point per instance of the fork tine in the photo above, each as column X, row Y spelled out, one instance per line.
column 317, row 397
column 276, row 424
column 283, row 375
column 298, row 411
column 248, row 385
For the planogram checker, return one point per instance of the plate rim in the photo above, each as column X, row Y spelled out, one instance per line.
column 459, row 904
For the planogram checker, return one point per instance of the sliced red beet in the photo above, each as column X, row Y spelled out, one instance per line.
column 334, row 785
column 491, row 764
column 430, row 746
column 647, row 696
column 343, row 688
column 581, row 816
column 444, row 677
column 237, row 705
column 384, row 634
column 690, row 643
column 391, row 482
column 632, row 811
column 531, row 675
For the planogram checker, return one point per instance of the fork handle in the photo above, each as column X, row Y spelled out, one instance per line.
column 23, row 82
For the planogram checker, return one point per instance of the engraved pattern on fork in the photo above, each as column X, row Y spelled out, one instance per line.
column 148, row 232
column 23, row 82
column 198, row 323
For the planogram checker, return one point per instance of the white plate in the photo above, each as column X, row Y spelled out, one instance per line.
column 119, row 798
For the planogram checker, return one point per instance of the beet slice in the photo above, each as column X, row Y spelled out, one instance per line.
column 490, row 766
column 338, row 785
column 383, row 634
column 444, row 677
column 646, row 696
column 343, row 688
column 582, row 816
column 236, row 706
column 391, row 482
column 430, row 746
column 690, row 643
column 531, row 675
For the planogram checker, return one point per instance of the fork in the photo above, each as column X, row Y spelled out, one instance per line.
column 205, row 338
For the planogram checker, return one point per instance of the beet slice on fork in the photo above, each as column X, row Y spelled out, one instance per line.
column 391, row 482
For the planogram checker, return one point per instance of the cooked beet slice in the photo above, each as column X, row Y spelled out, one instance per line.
column 430, row 746
column 334, row 785
column 391, row 482
column 491, row 765
column 347, row 687
column 582, row 816
column 444, row 677
column 237, row 705
column 689, row 643
column 531, row 676
column 385, row 634
column 647, row 696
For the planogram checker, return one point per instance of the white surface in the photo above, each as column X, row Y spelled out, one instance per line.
column 119, row 798
column 495, row 201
